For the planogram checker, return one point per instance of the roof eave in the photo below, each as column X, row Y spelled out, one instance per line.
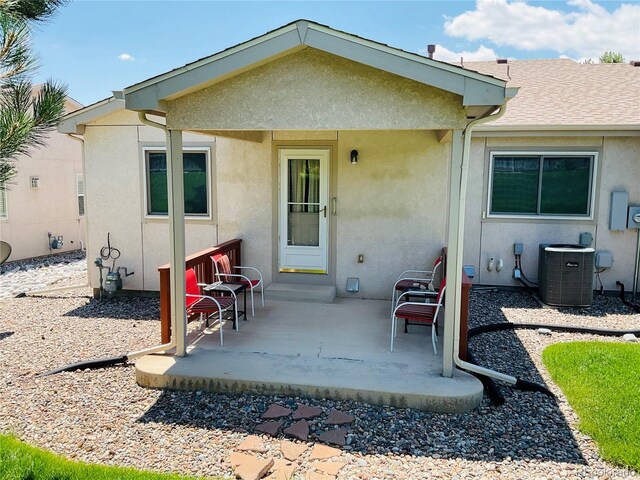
column 560, row 130
column 75, row 122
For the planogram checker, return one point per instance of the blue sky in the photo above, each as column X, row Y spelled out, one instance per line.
column 97, row 46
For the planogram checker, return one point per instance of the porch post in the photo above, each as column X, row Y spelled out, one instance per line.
column 175, row 190
column 453, row 273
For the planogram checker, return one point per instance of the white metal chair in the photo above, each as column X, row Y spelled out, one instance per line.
column 415, row 280
column 206, row 305
column 419, row 312
column 224, row 273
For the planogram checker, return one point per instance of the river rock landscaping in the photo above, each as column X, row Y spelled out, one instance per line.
column 103, row 416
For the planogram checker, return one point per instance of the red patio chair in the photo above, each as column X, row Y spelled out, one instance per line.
column 224, row 273
column 415, row 280
column 206, row 305
column 419, row 312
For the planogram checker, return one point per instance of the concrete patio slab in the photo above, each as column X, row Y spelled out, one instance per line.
column 338, row 350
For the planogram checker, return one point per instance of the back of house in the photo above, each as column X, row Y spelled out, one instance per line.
column 364, row 194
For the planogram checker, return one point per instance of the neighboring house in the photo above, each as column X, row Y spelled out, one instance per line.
column 43, row 205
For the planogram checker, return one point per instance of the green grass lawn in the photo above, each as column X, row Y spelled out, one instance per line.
column 19, row 461
column 601, row 380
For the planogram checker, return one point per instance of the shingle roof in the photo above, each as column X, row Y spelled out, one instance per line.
column 564, row 93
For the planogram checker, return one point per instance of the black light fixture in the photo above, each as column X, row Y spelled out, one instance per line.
column 354, row 157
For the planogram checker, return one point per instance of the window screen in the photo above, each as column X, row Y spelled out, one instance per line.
column 196, row 194
column 541, row 185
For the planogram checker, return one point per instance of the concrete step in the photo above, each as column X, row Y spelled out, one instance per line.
column 301, row 293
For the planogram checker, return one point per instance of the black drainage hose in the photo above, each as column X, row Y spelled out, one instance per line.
column 624, row 300
column 90, row 364
column 496, row 327
column 493, row 391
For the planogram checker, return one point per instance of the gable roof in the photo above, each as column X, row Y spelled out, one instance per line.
column 560, row 94
column 75, row 121
column 475, row 88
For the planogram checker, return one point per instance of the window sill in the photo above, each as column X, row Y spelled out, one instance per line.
column 538, row 219
column 187, row 219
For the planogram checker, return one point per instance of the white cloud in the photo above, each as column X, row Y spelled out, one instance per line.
column 125, row 57
column 586, row 31
column 481, row 54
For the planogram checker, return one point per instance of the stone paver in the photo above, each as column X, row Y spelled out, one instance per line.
column 306, row 411
column 282, row 470
column 322, row 452
column 252, row 444
column 318, row 476
column 270, row 427
column 292, row 451
column 335, row 437
column 254, row 468
column 276, row 411
column 330, row 468
column 338, row 417
column 237, row 458
column 299, row 430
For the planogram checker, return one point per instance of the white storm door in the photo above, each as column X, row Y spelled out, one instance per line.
column 303, row 223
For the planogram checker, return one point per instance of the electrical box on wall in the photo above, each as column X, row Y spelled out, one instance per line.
column 586, row 239
column 618, row 212
column 634, row 216
column 604, row 259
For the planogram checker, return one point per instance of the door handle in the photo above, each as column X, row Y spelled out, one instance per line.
column 324, row 211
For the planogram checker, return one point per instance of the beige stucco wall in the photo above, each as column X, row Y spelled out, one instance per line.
column 115, row 200
column 330, row 93
column 619, row 169
column 51, row 208
column 391, row 206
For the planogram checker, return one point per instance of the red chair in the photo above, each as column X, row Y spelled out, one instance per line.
column 206, row 305
column 419, row 312
column 224, row 273
column 419, row 280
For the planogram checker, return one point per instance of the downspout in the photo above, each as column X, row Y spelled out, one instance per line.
column 173, row 340
column 464, row 174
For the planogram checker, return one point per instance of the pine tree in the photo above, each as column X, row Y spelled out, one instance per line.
column 26, row 116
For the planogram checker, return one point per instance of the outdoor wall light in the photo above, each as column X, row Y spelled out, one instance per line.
column 354, row 157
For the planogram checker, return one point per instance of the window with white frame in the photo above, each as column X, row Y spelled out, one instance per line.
column 3, row 202
column 80, row 193
column 196, row 181
column 558, row 184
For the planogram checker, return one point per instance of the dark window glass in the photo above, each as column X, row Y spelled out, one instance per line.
column 195, row 183
column 541, row 185
column 515, row 185
column 565, row 185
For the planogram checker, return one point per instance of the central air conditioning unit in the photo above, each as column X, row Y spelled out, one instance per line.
column 565, row 275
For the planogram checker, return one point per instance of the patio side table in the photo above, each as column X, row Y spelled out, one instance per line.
column 237, row 288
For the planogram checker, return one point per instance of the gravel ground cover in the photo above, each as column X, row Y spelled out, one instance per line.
column 103, row 416
column 45, row 272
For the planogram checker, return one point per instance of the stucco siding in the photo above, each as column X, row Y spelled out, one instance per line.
column 391, row 207
column 115, row 200
column 245, row 210
column 52, row 207
column 330, row 93
column 618, row 169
